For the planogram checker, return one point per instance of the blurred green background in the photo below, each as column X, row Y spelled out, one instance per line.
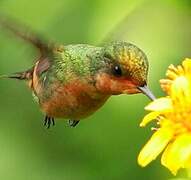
column 104, row 146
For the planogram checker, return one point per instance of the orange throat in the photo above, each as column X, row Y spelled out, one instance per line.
column 115, row 85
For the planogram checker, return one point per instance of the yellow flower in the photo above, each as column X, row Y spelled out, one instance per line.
column 173, row 115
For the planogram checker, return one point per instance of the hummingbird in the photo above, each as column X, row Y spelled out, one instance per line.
column 73, row 81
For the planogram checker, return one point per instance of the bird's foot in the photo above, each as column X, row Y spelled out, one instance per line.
column 73, row 123
column 48, row 121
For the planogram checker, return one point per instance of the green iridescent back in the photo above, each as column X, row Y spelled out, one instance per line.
column 80, row 60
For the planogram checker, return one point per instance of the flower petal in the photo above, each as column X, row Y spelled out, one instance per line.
column 187, row 66
column 155, row 145
column 149, row 117
column 181, row 90
column 166, row 85
column 161, row 104
column 178, row 154
column 171, row 74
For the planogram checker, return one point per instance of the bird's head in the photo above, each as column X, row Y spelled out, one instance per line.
column 125, row 70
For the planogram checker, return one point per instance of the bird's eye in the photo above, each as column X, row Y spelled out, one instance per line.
column 117, row 70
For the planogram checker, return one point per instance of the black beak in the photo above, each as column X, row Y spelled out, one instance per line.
column 145, row 90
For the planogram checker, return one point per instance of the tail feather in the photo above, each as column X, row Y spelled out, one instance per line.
column 25, row 75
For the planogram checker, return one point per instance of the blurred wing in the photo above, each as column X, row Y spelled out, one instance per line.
column 40, row 44
column 23, row 32
column 120, row 31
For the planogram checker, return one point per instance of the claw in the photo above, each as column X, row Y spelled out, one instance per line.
column 45, row 120
column 73, row 123
column 53, row 122
column 48, row 121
